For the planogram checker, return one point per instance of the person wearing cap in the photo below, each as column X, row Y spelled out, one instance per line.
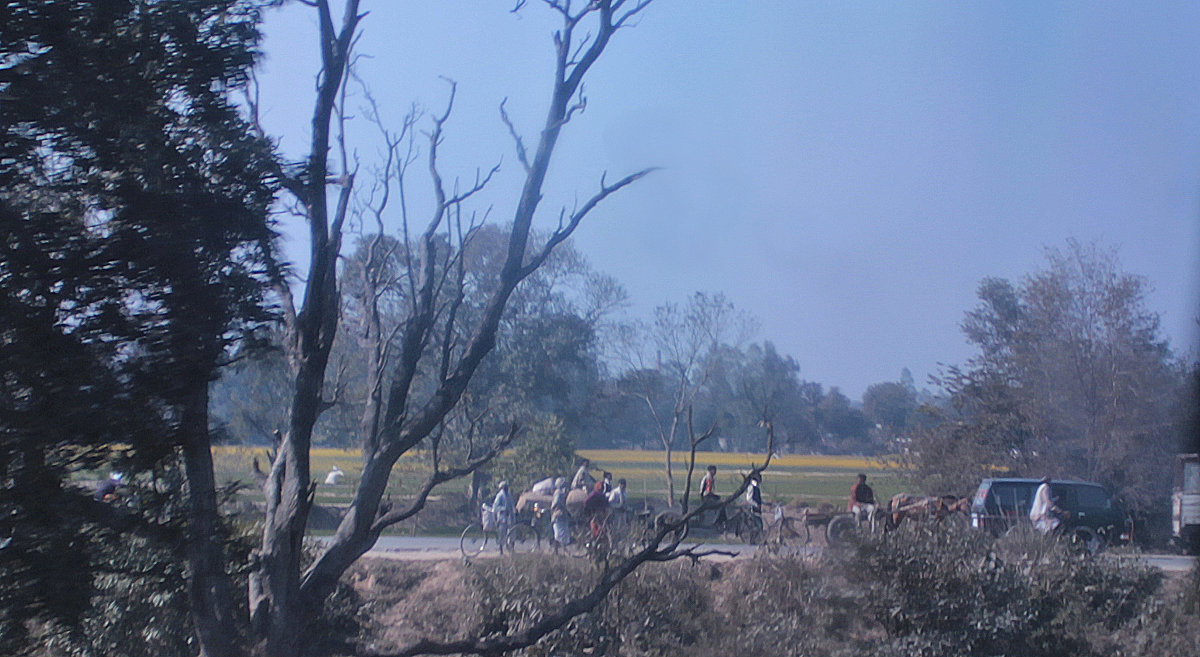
column 595, row 508
column 503, row 507
column 1045, row 513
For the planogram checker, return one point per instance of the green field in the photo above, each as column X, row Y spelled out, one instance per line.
column 790, row 479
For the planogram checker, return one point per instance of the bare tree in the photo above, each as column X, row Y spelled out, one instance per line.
column 282, row 595
column 676, row 355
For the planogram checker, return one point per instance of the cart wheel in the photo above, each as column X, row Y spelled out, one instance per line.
column 1086, row 541
column 840, row 530
column 523, row 538
column 472, row 541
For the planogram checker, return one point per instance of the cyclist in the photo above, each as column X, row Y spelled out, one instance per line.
column 595, row 508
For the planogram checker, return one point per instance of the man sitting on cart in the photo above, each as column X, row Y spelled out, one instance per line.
column 709, row 497
column 862, row 498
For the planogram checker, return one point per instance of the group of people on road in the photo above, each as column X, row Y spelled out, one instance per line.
column 603, row 498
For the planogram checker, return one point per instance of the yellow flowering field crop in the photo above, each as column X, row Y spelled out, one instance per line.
column 603, row 457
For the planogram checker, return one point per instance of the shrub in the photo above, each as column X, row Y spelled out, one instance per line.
column 929, row 590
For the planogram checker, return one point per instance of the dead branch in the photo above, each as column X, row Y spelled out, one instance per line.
column 440, row 477
column 562, row 233
column 512, row 130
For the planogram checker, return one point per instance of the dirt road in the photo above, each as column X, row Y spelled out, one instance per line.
column 436, row 548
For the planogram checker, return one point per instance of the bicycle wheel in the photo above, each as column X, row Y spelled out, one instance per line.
column 581, row 534
column 600, row 545
column 840, row 530
column 523, row 538
column 473, row 540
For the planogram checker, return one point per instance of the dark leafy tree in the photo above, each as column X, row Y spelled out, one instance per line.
column 135, row 202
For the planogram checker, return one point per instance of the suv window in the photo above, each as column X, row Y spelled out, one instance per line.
column 1083, row 498
column 1011, row 498
column 1191, row 477
column 1017, row 497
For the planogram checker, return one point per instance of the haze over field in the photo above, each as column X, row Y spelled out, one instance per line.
column 845, row 174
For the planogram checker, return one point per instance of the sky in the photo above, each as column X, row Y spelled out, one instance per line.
column 845, row 173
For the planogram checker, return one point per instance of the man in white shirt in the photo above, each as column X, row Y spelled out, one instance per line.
column 503, row 507
column 616, row 497
column 1045, row 513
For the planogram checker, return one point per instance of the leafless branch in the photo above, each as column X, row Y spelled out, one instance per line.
column 439, row 477
column 694, row 442
column 512, row 130
column 563, row 232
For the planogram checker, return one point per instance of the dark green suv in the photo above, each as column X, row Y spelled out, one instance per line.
column 1094, row 517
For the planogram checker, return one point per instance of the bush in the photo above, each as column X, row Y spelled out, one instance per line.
column 946, row 591
column 928, row 590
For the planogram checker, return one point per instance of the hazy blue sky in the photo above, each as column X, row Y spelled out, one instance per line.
column 846, row 173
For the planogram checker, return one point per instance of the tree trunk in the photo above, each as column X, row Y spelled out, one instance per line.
column 670, row 478
column 277, row 612
column 210, row 592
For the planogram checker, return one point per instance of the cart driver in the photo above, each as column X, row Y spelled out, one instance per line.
column 862, row 498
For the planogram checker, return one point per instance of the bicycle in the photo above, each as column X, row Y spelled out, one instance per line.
column 784, row 533
column 520, row 537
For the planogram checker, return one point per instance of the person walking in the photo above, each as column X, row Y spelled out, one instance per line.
column 754, row 495
column 560, row 518
column 1045, row 513
column 595, row 508
column 616, row 506
column 502, row 506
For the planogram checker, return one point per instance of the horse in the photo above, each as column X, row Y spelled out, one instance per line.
column 903, row 506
